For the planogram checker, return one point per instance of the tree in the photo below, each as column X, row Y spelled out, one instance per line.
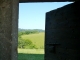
column 25, row 44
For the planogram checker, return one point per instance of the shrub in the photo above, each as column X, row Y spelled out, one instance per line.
column 25, row 44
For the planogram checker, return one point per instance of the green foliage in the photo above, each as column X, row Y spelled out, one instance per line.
column 27, row 32
column 30, row 39
column 21, row 33
column 30, row 32
column 20, row 42
column 25, row 43
column 37, row 39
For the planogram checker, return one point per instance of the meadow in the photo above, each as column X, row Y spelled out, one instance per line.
column 33, row 54
column 37, row 39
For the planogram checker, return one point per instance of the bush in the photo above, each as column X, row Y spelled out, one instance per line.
column 25, row 44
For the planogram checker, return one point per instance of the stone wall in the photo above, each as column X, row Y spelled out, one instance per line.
column 8, row 29
column 62, row 27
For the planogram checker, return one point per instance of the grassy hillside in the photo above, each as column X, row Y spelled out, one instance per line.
column 37, row 39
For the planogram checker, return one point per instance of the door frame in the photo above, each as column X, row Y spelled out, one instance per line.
column 14, row 31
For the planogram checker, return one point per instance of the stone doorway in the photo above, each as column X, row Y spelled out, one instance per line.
column 9, row 25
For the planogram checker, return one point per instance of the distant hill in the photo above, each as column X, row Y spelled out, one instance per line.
column 39, row 30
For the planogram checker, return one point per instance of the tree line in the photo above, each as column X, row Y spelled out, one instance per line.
column 27, row 32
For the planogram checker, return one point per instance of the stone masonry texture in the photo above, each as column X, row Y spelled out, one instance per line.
column 8, row 29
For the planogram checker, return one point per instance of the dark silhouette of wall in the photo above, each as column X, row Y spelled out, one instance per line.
column 62, row 30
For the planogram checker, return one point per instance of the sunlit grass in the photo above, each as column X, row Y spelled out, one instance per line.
column 31, row 51
column 30, row 54
column 33, row 54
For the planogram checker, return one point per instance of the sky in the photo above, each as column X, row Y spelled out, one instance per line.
column 32, row 15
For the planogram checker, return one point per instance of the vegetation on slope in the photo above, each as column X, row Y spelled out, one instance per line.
column 32, row 39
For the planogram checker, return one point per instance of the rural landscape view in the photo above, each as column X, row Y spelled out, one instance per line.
column 31, row 44
column 31, row 32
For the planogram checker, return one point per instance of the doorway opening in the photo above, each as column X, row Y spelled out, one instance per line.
column 31, row 30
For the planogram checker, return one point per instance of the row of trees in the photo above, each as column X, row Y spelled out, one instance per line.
column 27, row 32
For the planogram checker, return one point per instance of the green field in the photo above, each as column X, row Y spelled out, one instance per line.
column 37, row 39
column 30, row 54
column 33, row 54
